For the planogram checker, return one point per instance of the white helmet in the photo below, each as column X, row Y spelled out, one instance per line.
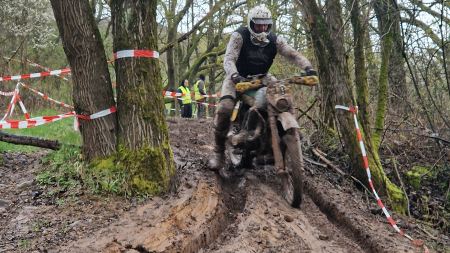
column 259, row 15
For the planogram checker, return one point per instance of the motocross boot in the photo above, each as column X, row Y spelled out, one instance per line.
column 217, row 159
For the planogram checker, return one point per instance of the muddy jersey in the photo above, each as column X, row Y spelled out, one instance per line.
column 248, row 62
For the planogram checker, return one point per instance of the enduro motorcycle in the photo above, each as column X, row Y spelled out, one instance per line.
column 271, row 129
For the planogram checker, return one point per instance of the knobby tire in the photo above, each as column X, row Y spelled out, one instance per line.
column 293, row 160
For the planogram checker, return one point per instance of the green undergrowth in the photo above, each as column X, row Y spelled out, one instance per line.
column 429, row 192
column 61, row 131
column 66, row 171
column 63, row 169
column 414, row 176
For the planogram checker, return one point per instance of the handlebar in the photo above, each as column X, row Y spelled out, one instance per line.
column 297, row 79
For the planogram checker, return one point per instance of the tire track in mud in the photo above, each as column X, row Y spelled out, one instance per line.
column 329, row 220
column 268, row 224
column 347, row 211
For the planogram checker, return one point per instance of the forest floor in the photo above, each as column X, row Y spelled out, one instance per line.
column 204, row 213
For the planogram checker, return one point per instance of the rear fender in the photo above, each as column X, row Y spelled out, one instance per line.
column 288, row 121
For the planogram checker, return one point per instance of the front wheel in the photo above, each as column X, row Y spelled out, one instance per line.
column 292, row 180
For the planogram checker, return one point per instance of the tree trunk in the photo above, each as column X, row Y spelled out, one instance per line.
column 372, row 65
column 143, row 142
column 92, row 90
column 170, row 60
column 320, row 38
column 383, row 10
column 29, row 141
column 212, row 60
column 388, row 16
column 171, row 77
column 330, row 50
column 362, row 88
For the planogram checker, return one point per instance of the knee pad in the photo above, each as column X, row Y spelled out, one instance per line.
column 225, row 106
column 223, row 114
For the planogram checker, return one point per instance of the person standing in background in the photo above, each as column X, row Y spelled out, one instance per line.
column 186, row 100
column 199, row 91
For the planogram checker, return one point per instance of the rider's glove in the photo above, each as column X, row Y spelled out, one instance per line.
column 310, row 71
column 236, row 78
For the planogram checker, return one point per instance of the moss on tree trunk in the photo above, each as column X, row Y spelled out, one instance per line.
column 382, row 91
column 147, row 168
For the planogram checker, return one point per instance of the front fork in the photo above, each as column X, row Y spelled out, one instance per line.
column 277, row 155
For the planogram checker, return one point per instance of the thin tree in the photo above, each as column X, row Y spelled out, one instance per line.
column 173, row 20
column 362, row 87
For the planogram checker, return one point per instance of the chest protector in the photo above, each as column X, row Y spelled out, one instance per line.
column 254, row 59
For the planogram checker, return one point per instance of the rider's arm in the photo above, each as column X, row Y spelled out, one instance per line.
column 232, row 54
column 291, row 54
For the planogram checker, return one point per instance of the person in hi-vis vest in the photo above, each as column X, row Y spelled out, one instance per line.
column 185, row 99
column 199, row 91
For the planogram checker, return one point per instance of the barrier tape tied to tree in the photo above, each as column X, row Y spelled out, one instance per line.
column 135, row 53
column 37, row 121
column 354, row 111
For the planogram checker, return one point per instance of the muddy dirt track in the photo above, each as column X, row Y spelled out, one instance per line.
column 205, row 213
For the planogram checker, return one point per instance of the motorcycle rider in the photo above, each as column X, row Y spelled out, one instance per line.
column 250, row 51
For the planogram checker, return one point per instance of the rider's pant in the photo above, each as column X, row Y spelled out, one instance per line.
column 222, row 122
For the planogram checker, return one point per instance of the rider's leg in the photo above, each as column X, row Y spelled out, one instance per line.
column 222, row 124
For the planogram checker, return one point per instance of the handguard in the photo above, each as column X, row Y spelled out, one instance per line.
column 304, row 80
column 250, row 85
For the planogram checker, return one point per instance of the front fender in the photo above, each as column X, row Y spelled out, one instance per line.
column 288, row 120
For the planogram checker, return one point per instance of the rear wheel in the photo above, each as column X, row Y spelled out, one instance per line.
column 292, row 180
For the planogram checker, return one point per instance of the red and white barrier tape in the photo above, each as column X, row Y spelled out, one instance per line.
column 33, row 64
column 44, row 68
column 45, row 97
column 203, row 103
column 76, row 124
column 211, row 96
column 195, row 102
column 99, row 114
column 11, row 104
column 22, row 106
column 37, row 121
column 35, row 75
column 174, row 94
column 135, row 54
column 391, row 221
column 7, row 94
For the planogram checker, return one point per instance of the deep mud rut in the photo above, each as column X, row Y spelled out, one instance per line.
column 205, row 213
